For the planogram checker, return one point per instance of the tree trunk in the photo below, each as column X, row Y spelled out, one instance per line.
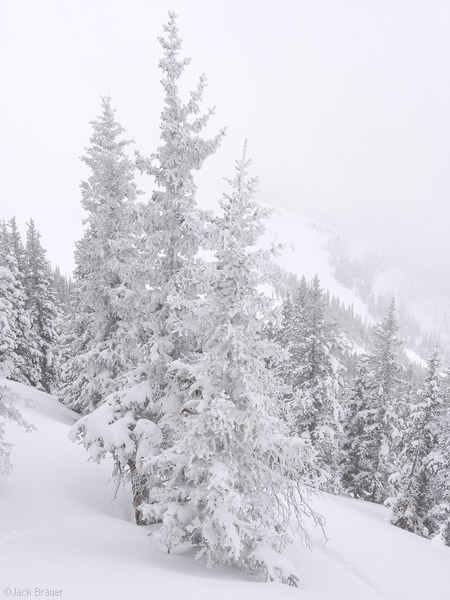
column 139, row 489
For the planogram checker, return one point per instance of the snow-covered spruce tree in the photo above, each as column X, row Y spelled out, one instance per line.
column 9, row 292
column 287, row 336
column 291, row 330
column 374, row 405
column 312, row 373
column 229, row 481
column 16, row 328
column 417, row 489
column 27, row 349
column 167, row 275
column 42, row 307
column 359, row 448
column 442, row 507
column 63, row 288
column 437, row 520
column 440, row 513
column 174, row 227
column 97, row 332
column 9, row 358
column 388, row 401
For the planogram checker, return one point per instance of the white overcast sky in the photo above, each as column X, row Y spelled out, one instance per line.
column 346, row 104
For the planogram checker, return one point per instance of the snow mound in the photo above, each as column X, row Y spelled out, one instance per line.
column 62, row 529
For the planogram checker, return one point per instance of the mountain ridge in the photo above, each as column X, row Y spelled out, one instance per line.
column 358, row 274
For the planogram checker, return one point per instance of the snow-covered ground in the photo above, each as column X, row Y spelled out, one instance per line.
column 62, row 529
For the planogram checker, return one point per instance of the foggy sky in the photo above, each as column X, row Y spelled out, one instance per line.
column 346, row 104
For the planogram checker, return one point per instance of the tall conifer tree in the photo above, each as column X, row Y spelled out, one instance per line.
column 9, row 356
column 98, row 331
column 373, row 407
column 42, row 307
column 231, row 465
column 166, row 277
column 417, row 494
column 360, row 446
column 27, row 348
column 388, row 401
column 312, row 373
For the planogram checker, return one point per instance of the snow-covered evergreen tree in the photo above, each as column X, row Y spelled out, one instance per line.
column 374, row 404
column 98, row 333
column 10, row 360
column 360, row 446
column 42, row 308
column 14, row 300
column 312, row 372
column 439, row 515
column 174, row 227
column 74, row 376
column 417, row 490
column 9, row 297
column 27, row 347
column 229, row 481
column 63, row 288
column 438, row 465
column 388, row 401
column 167, row 277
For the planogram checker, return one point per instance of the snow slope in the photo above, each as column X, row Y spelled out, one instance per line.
column 304, row 252
column 60, row 528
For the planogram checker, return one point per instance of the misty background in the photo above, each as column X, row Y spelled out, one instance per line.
column 346, row 105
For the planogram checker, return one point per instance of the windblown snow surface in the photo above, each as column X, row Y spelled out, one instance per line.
column 62, row 528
